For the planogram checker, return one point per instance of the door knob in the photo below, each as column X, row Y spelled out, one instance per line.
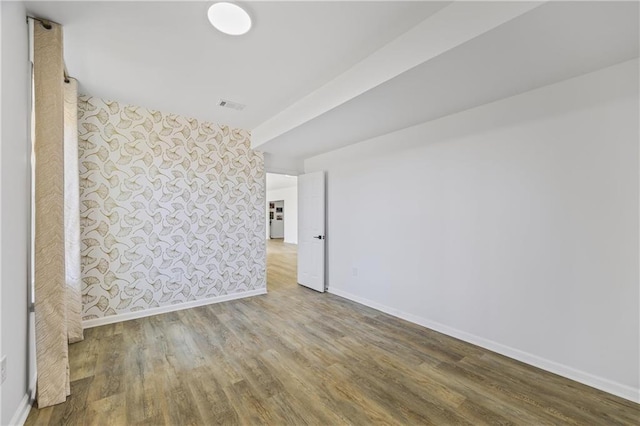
column 319, row 237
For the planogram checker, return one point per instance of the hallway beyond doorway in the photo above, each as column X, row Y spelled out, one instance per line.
column 281, row 202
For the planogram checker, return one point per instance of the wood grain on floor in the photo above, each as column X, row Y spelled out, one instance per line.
column 299, row 357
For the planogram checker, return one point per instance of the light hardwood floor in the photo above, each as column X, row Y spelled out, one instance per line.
column 299, row 357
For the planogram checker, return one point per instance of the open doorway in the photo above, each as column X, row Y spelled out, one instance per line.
column 281, row 231
column 282, row 208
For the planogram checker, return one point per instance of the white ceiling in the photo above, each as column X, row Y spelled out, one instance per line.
column 166, row 55
column 317, row 76
column 550, row 43
column 275, row 181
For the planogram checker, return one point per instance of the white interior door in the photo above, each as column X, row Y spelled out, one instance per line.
column 311, row 236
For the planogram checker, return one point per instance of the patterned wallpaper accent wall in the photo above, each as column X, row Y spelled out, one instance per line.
column 171, row 209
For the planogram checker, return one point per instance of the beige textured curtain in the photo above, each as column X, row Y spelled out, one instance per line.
column 72, row 212
column 57, row 319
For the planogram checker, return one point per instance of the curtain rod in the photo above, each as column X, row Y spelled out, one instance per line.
column 47, row 24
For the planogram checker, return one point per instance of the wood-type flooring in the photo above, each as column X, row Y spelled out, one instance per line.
column 297, row 357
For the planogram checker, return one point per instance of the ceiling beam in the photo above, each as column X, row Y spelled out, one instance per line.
column 452, row 26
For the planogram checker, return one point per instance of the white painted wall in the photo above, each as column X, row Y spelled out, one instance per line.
column 14, row 190
column 515, row 226
column 290, row 197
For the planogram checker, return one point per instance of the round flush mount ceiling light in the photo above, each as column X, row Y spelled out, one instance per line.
column 229, row 18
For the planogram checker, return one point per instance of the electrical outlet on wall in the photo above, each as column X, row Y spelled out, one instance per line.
column 3, row 367
column 354, row 272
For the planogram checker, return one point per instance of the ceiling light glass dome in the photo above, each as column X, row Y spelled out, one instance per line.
column 229, row 18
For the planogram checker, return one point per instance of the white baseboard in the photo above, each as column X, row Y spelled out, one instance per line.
column 21, row 414
column 614, row 388
column 169, row 308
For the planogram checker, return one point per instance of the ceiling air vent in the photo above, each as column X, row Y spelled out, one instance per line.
column 231, row 104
